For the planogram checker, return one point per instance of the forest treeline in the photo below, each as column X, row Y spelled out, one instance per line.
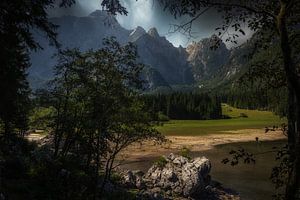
column 256, row 98
column 180, row 105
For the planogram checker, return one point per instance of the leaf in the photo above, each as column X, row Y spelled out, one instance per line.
column 242, row 32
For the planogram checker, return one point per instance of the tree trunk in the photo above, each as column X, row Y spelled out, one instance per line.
column 96, row 181
column 293, row 82
column 7, row 130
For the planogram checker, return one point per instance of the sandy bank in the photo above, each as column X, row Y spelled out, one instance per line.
column 139, row 152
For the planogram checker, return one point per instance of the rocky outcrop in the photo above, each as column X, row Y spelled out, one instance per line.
column 180, row 176
column 177, row 177
column 153, row 79
column 205, row 60
column 153, row 32
column 134, row 179
column 136, row 34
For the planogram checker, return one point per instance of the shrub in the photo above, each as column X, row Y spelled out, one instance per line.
column 185, row 152
column 243, row 115
column 160, row 162
column 162, row 117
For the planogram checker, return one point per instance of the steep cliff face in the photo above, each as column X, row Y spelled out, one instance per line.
column 238, row 59
column 136, row 34
column 153, row 79
column 158, row 53
column 215, row 68
column 206, row 61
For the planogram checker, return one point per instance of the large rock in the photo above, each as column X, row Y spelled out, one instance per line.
column 180, row 175
column 133, row 179
column 179, row 178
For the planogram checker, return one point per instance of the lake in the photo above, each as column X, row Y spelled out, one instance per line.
column 251, row 181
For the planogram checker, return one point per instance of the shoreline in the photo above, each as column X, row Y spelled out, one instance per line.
column 141, row 152
column 145, row 151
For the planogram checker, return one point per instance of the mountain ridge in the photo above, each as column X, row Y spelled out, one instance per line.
column 167, row 65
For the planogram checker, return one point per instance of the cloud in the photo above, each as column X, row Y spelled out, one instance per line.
column 140, row 13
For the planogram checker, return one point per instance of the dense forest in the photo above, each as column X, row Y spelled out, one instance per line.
column 257, row 99
column 185, row 105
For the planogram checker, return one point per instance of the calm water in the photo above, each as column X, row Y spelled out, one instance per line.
column 251, row 181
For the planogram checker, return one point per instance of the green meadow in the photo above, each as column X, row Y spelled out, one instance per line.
column 239, row 119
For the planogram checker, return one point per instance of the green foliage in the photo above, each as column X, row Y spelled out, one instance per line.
column 41, row 118
column 239, row 155
column 243, row 115
column 94, row 111
column 116, row 178
column 17, row 20
column 185, row 152
column 185, row 105
column 160, row 162
column 256, row 119
column 256, row 97
column 14, row 103
column 280, row 172
column 95, row 107
column 162, row 117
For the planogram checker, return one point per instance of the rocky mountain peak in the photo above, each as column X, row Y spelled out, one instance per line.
column 205, row 60
column 153, row 32
column 206, row 43
column 136, row 33
column 167, row 65
column 104, row 16
column 99, row 13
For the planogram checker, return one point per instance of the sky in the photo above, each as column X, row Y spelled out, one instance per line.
column 148, row 14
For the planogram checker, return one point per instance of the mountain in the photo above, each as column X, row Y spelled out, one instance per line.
column 136, row 34
column 219, row 67
column 73, row 32
column 205, row 60
column 160, row 56
column 167, row 67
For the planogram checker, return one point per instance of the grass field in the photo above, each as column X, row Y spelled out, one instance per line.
column 255, row 119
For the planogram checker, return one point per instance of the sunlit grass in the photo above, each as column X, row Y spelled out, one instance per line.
column 255, row 119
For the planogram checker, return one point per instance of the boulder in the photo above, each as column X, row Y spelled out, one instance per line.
column 133, row 179
column 180, row 176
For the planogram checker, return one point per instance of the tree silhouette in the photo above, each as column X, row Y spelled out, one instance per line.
column 273, row 21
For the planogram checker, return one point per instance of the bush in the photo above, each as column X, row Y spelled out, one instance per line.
column 243, row 115
column 160, row 162
column 185, row 152
column 226, row 117
column 41, row 117
column 162, row 117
